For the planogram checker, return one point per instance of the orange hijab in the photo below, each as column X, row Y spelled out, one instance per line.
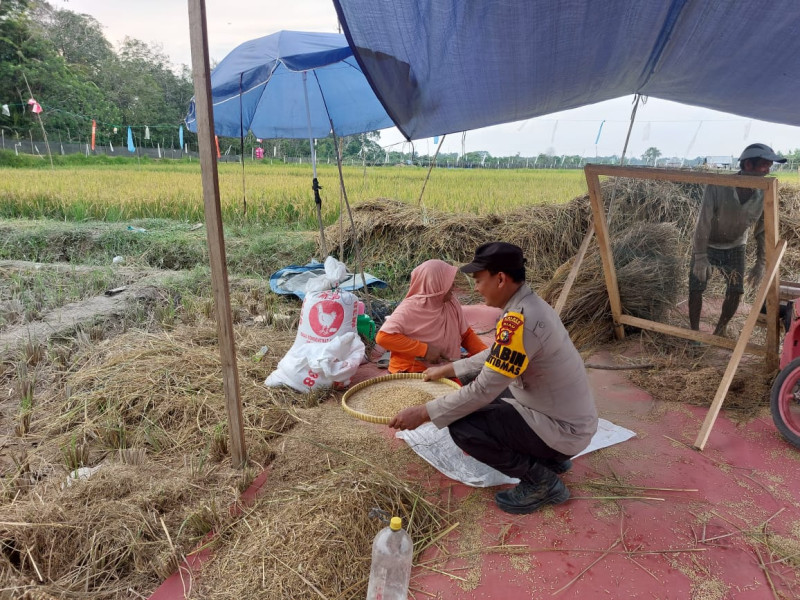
column 424, row 315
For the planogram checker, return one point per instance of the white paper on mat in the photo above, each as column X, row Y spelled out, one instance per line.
column 437, row 448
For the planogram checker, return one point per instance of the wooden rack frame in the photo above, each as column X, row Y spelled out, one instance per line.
column 767, row 291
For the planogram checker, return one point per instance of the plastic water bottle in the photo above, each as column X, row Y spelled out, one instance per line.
column 390, row 572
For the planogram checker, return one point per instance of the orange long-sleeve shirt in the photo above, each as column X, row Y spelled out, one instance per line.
column 407, row 353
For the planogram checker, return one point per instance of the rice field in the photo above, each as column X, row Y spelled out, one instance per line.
column 275, row 194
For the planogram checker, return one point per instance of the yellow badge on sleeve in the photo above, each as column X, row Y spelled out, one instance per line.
column 508, row 352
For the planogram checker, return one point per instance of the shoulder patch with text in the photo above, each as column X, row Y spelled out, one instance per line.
column 508, row 352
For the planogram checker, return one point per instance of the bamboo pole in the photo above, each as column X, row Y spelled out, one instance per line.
column 216, row 242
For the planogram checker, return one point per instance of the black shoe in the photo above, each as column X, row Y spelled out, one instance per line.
column 557, row 466
column 539, row 487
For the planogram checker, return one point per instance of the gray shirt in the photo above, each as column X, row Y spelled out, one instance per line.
column 724, row 220
column 552, row 393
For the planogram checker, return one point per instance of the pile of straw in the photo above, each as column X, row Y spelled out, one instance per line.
column 650, row 223
column 395, row 236
column 148, row 409
column 310, row 533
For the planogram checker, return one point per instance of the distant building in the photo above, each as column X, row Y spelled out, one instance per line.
column 718, row 162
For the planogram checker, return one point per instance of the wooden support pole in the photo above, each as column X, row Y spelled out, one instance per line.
column 216, row 241
column 733, row 364
column 573, row 273
column 603, row 242
column 771, row 235
column 690, row 334
column 680, row 175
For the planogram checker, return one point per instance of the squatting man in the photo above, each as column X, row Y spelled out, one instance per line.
column 529, row 408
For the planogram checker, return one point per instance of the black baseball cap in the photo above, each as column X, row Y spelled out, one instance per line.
column 496, row 256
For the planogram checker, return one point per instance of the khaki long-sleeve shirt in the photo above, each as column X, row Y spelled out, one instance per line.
column 551, row 390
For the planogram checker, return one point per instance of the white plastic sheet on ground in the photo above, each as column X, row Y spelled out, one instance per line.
column 438, row 448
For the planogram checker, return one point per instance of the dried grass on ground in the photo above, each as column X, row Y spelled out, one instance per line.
column 310, row 533
column 691, row 380
column 147, row 409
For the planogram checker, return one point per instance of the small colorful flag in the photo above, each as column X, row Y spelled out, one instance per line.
column 94, row 131
column 35, row 106
column 180, row 137
column 6, row 112
column 146, row 132
column 131, row 147
column 216, row 140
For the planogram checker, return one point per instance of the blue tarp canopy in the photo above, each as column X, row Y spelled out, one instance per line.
column 259, row 87
column 440, row 67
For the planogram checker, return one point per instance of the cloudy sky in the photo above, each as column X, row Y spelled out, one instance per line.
column 675, row 129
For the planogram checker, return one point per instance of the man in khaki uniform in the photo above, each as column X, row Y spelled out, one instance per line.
column 720, row 237
column 530, row 408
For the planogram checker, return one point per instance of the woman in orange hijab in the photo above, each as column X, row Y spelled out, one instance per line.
column 428, row 326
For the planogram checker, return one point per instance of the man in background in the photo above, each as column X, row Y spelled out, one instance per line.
column 720, row 237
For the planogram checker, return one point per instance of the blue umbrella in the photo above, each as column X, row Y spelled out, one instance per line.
column 293, row 84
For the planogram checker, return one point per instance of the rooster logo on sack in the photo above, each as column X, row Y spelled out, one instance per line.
column 326, row 317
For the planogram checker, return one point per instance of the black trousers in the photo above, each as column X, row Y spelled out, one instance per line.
column 498, row 436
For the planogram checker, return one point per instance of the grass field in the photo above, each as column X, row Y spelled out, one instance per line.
column 276, row 194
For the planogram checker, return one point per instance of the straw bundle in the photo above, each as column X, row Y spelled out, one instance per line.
column 104, row 535
column 160, row 391
column 647, row 268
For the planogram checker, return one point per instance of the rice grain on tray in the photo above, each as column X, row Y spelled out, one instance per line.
column 388, row 400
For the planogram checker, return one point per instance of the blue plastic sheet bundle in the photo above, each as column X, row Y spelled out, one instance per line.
column 292, row 280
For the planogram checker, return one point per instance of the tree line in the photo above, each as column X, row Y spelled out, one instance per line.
column 63, row 60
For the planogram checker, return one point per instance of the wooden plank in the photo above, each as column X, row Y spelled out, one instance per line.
column 214, row 234
column 573, row 273
column 680, row 175
column 770, row 241
column 689, row 334
column 601, row 229
column 771, row 274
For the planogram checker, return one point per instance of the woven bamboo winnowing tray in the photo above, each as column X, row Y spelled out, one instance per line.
column 413, row 381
